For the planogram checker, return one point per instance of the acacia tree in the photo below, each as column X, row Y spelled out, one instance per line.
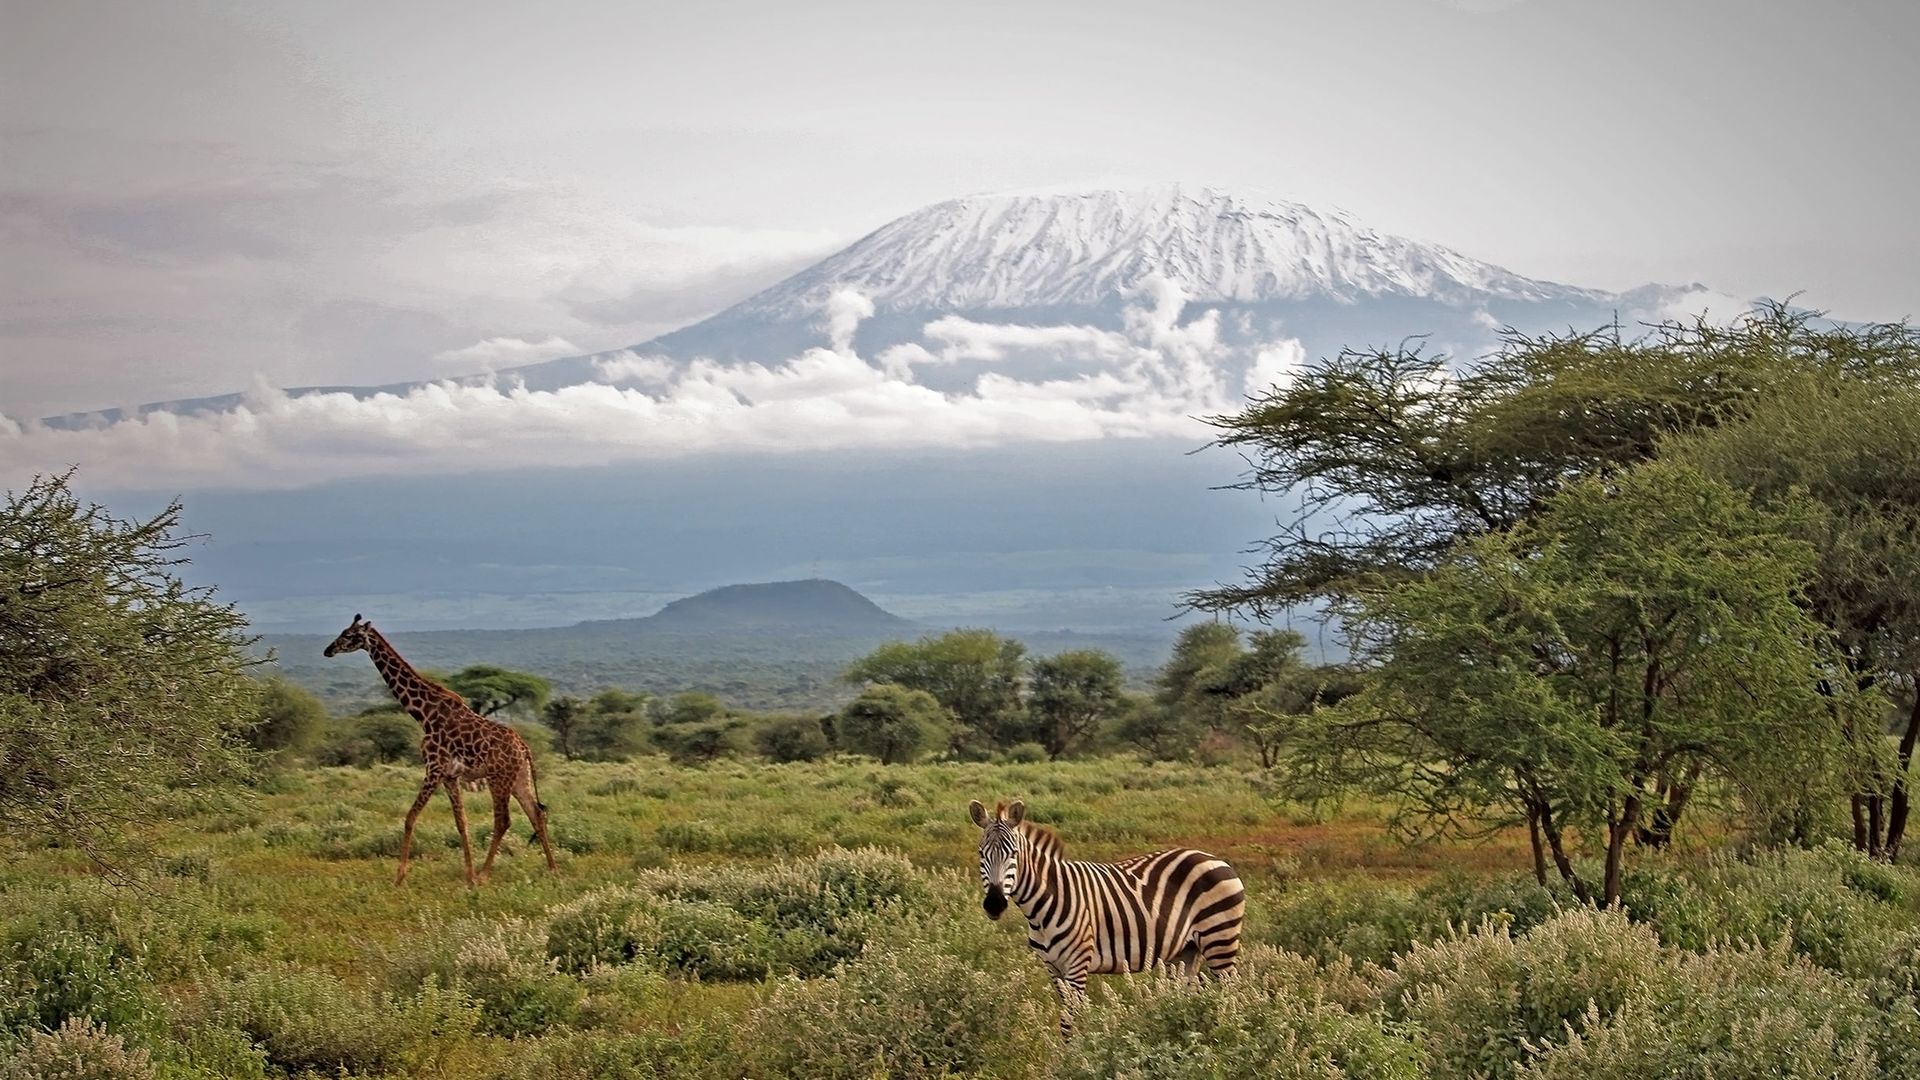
column 1071, row 695
column 975, row 674
column 893, row 723
column 1641, row 633
column 1849, row 451
column 1394, row 458
column 119, row 684
column 490, row 689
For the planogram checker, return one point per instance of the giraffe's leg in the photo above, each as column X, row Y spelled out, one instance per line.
column 502, row 821
column 460, row 820
column 523, row 791
column 413, row 815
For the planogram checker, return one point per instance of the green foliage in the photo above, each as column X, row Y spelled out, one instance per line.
column 311, row 1020
column 801, row 916
column 728, row 958
column 1336, row 921
column 792, row 738
column 290, row 718
column 65, row 972
column 490, row 689
column 1184, row 706
column 1482, row 1000
column 612, row 726
column 699, row 743
column 974, row 674
column 1270, row 1020
column 696, row 1050
column 121, row 688
column 891, row 722
column 1412, row 457
column 1588, row 668
column 1071, row 695
column 501, row 964
column 693, row 707
column 1848, row 452
column 927, row 1000
column 377, row 736
column 76, row 1050
column 1026, row 753
column 1838, row 908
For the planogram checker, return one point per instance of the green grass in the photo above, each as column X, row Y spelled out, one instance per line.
column 274, row 928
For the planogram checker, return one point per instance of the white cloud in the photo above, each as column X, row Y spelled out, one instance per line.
column 1276, row 366
column 1696, row 302
column 1152, row 379
column 499, row 352
column 846, row 308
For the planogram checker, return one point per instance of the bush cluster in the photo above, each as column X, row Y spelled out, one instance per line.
column 736, row 922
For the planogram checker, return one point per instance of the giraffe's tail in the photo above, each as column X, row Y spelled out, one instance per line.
column 533, row 781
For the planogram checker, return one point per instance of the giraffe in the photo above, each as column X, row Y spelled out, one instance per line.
column 458, row 744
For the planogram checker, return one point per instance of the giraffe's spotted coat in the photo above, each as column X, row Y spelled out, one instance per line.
column 460, row 747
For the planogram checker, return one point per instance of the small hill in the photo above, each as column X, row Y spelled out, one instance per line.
column 815, row 606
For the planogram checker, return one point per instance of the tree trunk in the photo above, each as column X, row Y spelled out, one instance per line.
column 1560, row 860
column 1903, row 775
column 1617, row 835
column 1539, row 850
column 1658, row 832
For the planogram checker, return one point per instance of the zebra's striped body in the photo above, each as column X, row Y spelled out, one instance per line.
column 1087, row 918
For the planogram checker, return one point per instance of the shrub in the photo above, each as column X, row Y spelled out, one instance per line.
column 1026, row 753
column 792, row 738
column 691, row 1053
column 502, row 964
column 913, row 1005
column 892, row 723
column 1728, row 1015
column 311, row 1020
column 1841, row 909
column 687, row 836
column 735, row 922
column 76, row 1050
column 1482, row 999
column 1268, row 1020
column 63, row 973
column 1329, row 920
column 695, row 744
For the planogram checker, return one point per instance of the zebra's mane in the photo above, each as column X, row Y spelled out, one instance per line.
column 1044, row 840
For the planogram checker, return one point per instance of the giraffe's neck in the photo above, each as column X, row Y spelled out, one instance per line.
column 412, row 690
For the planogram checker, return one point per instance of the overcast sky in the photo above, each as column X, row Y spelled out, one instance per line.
column 196, row 196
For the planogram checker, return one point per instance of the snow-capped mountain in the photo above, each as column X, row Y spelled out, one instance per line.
column 1269, row 268
column 997, row 252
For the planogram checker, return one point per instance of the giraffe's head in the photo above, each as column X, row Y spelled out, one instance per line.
column 1000, row 840
column 355, row 636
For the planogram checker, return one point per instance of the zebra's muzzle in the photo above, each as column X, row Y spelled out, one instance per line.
column 995, row 902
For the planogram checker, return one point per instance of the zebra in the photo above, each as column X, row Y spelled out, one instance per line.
column 1178, row 906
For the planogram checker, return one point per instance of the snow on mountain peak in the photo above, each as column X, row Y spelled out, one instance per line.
column 1025, row 250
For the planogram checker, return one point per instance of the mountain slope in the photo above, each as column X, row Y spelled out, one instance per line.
column 810, row 606
column 992, row 252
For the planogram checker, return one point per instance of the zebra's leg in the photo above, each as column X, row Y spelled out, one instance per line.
column 1219, row 949
column 1188, row 959
column 1071, row 989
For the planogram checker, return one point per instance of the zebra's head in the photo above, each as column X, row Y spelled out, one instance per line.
column 1000, row 840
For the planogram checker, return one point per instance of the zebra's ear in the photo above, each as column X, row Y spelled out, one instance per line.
column 1016, row 812
column 978, row 813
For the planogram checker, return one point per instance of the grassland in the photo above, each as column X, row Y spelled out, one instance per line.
column 696, row 927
